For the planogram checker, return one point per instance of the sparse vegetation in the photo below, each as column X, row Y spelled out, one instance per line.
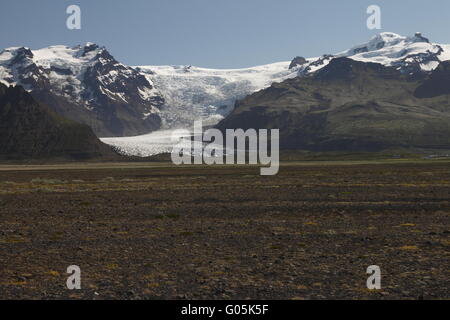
column 312, row 237
column 47, row 181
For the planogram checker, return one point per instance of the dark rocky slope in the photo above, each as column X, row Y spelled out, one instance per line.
column 29, row 130
column 352, row 106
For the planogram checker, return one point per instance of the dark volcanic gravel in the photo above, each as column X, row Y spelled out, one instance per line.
column 227, row 233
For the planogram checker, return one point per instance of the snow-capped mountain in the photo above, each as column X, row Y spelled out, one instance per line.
column 408, row 54
column 411, row 55
column 86, row 84
column 352, row 106
column 190, row 91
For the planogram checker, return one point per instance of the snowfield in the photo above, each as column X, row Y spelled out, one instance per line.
column 192, row 92
column 391, row 49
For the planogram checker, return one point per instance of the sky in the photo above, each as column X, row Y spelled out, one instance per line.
column 216, row 33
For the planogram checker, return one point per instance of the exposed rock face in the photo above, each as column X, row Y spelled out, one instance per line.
column 419, row 38
column 436, row 84
column 352, row 106
column 29, row 130
column 297, row 61
column 316, row 64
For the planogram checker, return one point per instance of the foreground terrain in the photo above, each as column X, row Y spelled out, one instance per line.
column 151, row 231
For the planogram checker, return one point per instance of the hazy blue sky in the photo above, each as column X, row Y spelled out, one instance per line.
column 216, row 33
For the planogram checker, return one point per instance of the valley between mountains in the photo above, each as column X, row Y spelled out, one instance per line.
column 391, row 92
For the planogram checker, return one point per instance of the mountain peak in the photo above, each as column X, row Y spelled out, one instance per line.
column 297, row 61
column 391, row 38
column 89, row 47
column 388, row 36
column 20, row 55
column 419, row 38
column 377, row 42
column 16, row 49
column 385, row 40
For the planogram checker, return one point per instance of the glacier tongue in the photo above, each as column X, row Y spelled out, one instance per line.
column 145, row 145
